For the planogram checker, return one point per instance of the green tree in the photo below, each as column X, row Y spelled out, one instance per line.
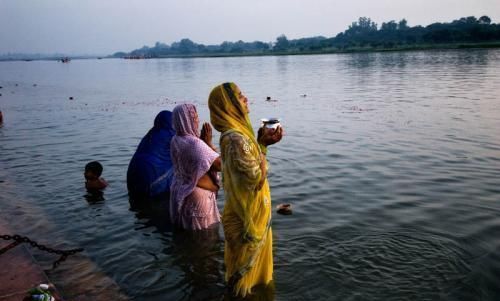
column 403, row 24
column 484, row 20
column 187, row 46
column 471, row 20
column 390, row 26
column 363, row 26
column 367, row 24
column 282, row 43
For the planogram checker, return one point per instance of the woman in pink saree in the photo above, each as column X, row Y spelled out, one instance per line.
column 193, row 203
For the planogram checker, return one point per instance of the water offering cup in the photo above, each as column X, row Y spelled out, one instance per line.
column 271, row 123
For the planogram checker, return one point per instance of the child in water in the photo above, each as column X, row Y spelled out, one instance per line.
column 92, row 174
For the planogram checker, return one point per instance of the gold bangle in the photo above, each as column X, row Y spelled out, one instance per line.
column 263, row 149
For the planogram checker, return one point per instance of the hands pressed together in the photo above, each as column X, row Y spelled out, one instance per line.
column 206, row 135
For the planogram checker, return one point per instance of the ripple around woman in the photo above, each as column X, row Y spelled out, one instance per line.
column 149, row 173
column 246, row 218
column 193, row 203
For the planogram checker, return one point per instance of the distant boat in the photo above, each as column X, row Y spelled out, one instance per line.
column 65, row 60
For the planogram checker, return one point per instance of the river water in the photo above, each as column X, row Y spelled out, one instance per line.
column 391, row 162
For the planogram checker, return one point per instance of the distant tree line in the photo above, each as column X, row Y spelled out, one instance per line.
column 362, row 34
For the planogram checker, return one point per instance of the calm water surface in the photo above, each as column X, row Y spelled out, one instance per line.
column 391, row 162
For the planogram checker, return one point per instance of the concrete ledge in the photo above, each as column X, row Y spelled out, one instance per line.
column 19, row 271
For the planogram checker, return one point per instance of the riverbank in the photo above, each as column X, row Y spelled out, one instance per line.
column 20, row 271
column 78, row 278
column 357, row 49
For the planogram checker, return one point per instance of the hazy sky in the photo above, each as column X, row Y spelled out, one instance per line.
column 107, row 26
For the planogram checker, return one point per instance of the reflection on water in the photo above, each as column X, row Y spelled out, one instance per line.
column 390, row 162
column 94, row 197
column 379, row 264
column 197, row 254
column 259, row 293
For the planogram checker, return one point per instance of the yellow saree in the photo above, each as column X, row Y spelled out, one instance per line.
column 247, row 211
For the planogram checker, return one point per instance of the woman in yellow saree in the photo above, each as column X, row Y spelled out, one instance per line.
column 246, row 218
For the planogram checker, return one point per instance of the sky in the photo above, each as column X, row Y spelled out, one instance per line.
column 100, row 27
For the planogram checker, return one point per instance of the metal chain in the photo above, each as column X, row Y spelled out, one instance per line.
column 23, row 239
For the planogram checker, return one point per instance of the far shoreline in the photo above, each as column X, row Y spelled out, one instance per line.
column 460, row 46
column 404, row 48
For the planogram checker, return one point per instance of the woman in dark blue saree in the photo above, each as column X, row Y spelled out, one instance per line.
column 150, row 171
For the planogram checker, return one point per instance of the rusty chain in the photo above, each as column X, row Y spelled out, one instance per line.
column 18, row 239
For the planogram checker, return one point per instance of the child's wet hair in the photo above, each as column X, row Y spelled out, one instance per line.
column 95, row 167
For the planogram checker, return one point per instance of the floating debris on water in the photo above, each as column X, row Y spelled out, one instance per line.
column 285, row 209
column 71, row 98
column 356, row 109
column 123, row 103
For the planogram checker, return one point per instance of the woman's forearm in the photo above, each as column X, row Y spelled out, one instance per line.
column 216, row 165
column 206, row 182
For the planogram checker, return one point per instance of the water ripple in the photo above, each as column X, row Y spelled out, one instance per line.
column 344, row 265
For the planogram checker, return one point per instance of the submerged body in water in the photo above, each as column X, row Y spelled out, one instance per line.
column 149, row 173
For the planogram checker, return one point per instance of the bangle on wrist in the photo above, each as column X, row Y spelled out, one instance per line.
column 263, row 149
